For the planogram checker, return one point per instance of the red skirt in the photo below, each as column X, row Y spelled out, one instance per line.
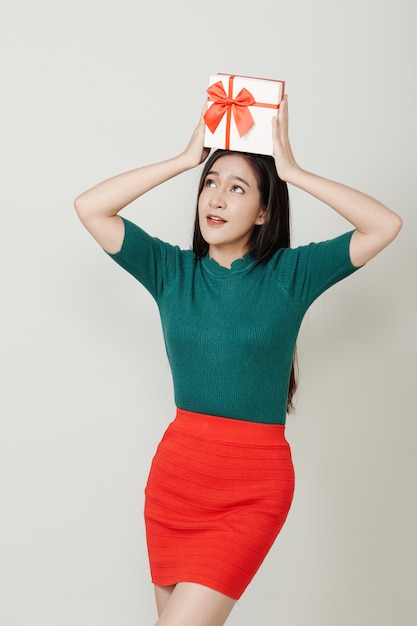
column 218, row 493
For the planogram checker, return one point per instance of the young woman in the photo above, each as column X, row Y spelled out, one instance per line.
column 221, row 481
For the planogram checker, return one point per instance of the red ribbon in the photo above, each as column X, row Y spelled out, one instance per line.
column 224, row 103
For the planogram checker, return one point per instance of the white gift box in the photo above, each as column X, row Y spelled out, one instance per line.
column 239, row 112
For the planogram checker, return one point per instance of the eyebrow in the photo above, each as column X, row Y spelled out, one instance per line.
column 233, row 177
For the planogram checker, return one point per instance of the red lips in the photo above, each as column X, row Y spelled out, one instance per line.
column 215, row 220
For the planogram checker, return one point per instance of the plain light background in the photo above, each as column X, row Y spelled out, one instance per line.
column 93, row 88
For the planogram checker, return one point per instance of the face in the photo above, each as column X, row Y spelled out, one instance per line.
column 229, row 207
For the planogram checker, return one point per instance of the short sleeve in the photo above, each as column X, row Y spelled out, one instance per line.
column 310, row 270
column 152, row 262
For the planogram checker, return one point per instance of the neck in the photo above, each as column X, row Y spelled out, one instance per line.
column 225, row 256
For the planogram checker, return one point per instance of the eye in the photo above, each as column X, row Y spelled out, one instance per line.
column 209, row 183
column 237, row 189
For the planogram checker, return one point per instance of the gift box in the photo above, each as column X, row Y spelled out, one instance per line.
column 239, row 112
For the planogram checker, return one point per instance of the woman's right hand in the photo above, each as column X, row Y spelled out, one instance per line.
column 99, row 206
column 195, row 152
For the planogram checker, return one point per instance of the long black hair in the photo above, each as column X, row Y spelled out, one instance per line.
column 266, row 238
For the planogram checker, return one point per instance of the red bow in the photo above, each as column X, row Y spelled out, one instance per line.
column 222, row 103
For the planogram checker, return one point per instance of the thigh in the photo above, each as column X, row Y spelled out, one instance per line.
column 162, row 595
column 191, row 604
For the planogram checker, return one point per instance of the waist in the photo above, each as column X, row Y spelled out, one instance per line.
column 225, row 429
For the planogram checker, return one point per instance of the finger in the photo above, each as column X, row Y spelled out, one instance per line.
column 276, row 140
column 283, row 112
column 282, row 123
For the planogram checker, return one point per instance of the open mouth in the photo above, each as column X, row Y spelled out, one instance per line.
column 215, row 220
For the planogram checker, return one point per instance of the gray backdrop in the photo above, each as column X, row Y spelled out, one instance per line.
column 93, row 88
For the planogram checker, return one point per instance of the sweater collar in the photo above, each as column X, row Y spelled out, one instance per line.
column 239, row 265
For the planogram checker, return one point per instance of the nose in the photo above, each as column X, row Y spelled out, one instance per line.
column 217, row 200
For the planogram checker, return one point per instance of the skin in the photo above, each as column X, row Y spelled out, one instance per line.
column 376, row 226
column 229, row 207
column 189, row 604
column 225, row 195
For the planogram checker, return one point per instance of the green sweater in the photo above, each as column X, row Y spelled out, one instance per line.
column 230, row 333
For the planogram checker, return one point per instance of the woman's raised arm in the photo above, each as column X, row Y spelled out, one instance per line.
column 99, row 206
column 376, row 225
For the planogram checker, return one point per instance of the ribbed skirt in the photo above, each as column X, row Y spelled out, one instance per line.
column 218, row 493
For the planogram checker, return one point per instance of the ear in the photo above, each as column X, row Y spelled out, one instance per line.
column 261, row 217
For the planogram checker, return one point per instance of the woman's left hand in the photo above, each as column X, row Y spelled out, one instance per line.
column 282, row 152
column 375, row 225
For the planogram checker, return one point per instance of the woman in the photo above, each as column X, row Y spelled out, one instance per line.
column 221, row 481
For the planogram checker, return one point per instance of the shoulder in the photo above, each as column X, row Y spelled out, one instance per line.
column 335, row 251
column 137, row 241
column 308, row 270
column 153, row 262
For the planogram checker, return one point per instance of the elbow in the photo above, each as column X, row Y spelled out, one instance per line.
column 395, row 226
column 399, row 224
column 78, row 205
column 390, row 231
column 81, row 208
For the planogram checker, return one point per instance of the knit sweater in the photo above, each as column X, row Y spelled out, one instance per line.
column 230, row 333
